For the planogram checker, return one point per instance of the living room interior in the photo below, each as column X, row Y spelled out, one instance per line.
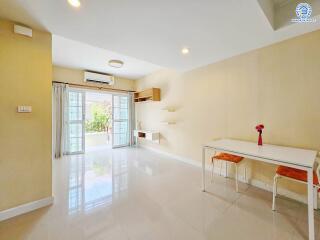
column 159, row 119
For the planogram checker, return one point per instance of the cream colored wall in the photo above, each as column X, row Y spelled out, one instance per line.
column 278, row 86
column 76, row 76
column 25, row 138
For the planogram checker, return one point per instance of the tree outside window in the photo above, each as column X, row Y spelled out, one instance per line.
column 101, row 118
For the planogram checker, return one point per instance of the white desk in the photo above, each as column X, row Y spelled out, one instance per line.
column 153, row 136
column 290, row 157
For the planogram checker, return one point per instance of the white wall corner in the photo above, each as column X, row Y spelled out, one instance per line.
column 25, row 208
column 268, row 9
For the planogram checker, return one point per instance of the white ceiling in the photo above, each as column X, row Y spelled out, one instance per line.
column 74, row 54
column 154, row 31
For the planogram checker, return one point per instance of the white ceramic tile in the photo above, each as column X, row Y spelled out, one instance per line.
column 136, row 194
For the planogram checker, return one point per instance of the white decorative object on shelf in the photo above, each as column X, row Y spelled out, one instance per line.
column 138, row 124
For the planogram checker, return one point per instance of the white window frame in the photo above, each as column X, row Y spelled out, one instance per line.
column 120, row 120
column 68, row 122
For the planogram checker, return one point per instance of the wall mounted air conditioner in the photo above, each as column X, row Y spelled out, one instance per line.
column 98, row 77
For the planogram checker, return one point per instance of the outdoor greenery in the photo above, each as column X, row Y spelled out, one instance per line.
column 101, row 119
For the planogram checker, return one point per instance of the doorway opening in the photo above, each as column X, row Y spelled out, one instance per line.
column 96, row 120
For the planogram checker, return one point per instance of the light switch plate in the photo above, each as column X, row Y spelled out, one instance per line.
column 24, row 109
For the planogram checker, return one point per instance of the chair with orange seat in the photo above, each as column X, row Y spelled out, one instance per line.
column 227, row 158
column 298, row 176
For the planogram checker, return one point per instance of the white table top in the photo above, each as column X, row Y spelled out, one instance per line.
column 294, row 156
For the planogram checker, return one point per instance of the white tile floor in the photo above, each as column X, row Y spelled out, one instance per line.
column 137, row 194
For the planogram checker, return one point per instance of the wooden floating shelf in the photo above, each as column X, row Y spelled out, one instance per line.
column 152, row 94
column 168, row 123
column 168, row 109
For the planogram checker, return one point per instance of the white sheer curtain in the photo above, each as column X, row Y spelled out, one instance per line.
column 131, row 119
column 59, row 97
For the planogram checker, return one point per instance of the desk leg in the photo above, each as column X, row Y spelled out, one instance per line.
column 203, row 169
column 310, row 205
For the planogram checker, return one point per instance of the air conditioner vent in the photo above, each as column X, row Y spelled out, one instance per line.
column 96, row 77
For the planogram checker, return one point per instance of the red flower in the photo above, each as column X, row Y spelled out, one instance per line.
column 259, row 127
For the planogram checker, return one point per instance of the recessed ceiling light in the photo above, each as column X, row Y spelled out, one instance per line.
column 185, row 51
column 74, row 3
column 115, row 63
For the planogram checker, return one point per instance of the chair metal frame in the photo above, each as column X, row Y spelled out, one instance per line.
column 226, row 169
column 316, row 187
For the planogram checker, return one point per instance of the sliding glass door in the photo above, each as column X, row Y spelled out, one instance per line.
column 120, row 123
column 75, row 121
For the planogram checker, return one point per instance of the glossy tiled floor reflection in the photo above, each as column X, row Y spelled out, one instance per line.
column 137, row 194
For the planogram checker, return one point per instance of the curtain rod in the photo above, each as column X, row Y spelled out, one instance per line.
column 94, row 87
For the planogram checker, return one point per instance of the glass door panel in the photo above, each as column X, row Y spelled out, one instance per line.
column 75, row 121
column 120, row 123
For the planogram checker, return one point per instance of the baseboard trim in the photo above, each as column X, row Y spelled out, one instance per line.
column 281, row 191
column 177, row 157
column 253, row 182
column 25, row 208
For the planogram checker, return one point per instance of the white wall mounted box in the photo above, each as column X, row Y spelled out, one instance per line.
column 18, row 29
column 24, row 109
column 98, row 77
